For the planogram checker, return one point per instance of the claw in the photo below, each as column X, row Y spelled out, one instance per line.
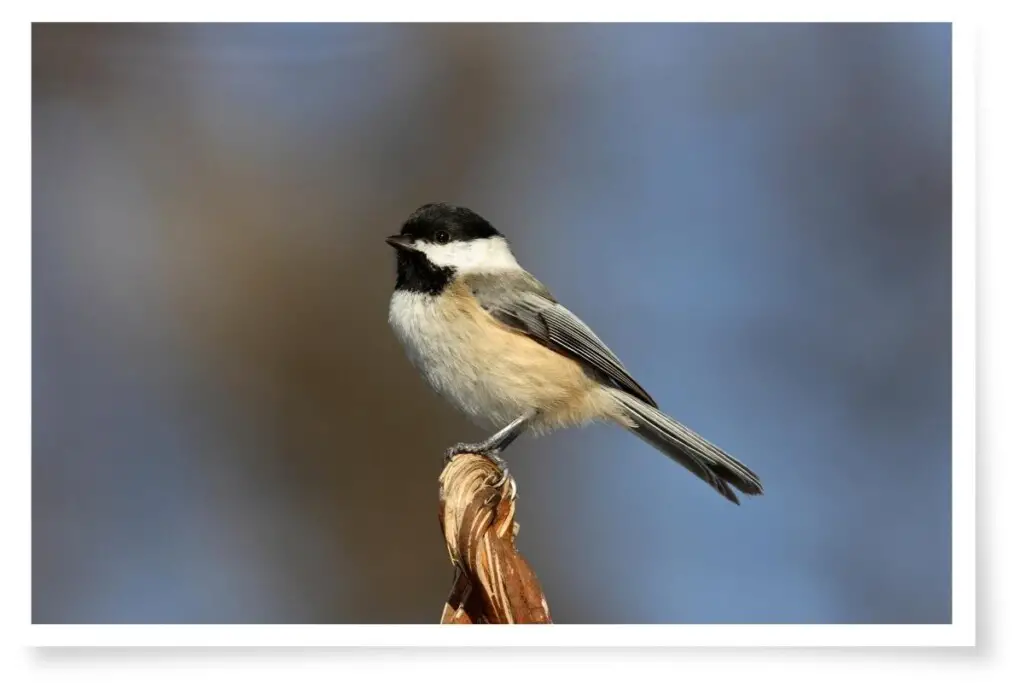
column 503, row 478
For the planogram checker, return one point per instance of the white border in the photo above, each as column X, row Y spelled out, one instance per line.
column 556, row 635
column 960, row 632
column 964, row 299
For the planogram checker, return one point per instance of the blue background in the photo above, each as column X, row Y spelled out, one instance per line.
column 755, row 217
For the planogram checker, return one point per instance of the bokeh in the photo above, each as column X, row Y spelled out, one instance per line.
column 757, row 218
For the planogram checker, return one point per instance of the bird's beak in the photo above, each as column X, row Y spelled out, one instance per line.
column 400, row 242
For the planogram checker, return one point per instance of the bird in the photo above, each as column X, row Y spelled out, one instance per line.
column 492, row 340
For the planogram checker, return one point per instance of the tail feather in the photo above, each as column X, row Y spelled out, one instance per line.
column 689, row 449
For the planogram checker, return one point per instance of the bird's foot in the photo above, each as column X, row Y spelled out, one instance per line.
column 483, row 449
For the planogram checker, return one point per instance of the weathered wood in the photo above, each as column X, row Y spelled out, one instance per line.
column 493, row 583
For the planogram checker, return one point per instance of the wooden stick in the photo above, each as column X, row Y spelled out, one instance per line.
column 493, row 583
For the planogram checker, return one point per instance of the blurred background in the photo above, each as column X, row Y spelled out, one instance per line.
column 755, row 217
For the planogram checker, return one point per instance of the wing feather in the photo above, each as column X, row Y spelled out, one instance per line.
column 520, row 301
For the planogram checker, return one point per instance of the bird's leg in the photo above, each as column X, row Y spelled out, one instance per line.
column 492, row 447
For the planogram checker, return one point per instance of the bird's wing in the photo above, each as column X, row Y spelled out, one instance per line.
column 521, row 302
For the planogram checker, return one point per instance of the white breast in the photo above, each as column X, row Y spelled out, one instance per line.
column 444, row 346
column 492, row 374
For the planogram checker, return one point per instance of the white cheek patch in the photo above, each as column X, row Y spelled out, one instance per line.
column 477, row 255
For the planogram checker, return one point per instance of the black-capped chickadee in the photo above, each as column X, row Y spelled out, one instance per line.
column 492, row 339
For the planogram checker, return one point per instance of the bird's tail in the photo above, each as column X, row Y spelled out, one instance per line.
column 688, row 448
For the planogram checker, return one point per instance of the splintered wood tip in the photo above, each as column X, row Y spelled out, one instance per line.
column 493, row 583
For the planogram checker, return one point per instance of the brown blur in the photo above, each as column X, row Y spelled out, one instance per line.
column 296, row 331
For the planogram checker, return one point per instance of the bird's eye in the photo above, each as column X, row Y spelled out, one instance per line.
column 442, row 237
